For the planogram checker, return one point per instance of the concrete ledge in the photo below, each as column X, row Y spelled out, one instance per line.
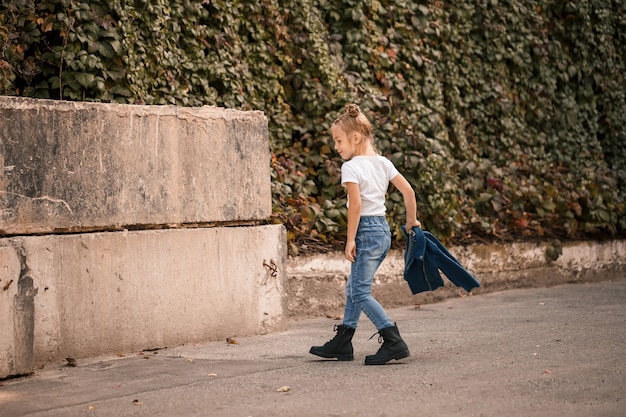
column 100, row 293
column 74, row 166
column 317, row 283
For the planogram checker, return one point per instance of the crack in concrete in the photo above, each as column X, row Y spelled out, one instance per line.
column 44, row 198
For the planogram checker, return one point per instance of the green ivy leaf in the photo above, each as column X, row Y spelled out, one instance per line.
column 86, row 80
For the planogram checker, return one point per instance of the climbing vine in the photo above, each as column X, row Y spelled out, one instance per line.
column 507, row 116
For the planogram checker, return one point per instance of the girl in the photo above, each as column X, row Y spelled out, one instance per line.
column 366, row 176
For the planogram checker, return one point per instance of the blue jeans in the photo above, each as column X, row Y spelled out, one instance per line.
column 373, row 240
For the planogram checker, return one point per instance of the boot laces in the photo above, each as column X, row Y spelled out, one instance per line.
column 338, row 333
column 380, row 337
column 380, row 340
column 331, row 341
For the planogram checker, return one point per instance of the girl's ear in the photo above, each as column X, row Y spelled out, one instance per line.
column 356, row 137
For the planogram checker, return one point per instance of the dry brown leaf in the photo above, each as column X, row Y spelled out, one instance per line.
column 284, row 388
column 231, row 341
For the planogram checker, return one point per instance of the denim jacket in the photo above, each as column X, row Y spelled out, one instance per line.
column 425, row 256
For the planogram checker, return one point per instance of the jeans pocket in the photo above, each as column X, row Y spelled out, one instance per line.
column 373, row 245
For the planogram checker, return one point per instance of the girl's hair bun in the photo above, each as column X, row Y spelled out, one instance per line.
column 353, row 120
column 352, row 110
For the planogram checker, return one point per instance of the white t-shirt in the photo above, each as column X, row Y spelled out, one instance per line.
column 372, row 174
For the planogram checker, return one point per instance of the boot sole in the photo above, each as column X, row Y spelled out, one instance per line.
column 396, row 356
column 338, row 356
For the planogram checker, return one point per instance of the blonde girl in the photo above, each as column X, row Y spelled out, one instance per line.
column 366, row 176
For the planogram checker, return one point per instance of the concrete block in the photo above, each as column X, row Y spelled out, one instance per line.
column 75, row 166
column 103, row 293
column 16, row 316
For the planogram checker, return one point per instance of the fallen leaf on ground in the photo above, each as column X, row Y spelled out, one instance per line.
column 212, row 375
column 285, row 388
column 548, row 371
column 137, row 402
column 231, row 341
column 71, row 362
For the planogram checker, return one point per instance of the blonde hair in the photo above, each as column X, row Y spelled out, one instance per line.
column 353, row 120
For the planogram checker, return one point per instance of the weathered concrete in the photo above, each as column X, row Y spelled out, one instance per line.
column 12, row 319
column 73, row 166
column 316, row 283
column 78, row 184
column 101, row 293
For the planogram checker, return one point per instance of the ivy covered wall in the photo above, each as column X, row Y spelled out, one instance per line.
column 507, row 116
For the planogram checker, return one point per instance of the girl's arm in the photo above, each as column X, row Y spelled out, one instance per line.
column 410, row 205
column 354, row 215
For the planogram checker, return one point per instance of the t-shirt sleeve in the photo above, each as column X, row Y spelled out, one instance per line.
column 348, row 174
column 390, row 169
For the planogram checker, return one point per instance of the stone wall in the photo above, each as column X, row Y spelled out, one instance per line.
column 316, row 283
column 133, row 227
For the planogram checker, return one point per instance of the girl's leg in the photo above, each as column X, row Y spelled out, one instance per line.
column 373, row 241
column 352, row 311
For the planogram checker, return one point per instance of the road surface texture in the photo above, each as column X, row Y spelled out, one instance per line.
column 558, row 351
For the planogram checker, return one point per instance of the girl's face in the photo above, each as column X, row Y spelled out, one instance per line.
column 344, row 144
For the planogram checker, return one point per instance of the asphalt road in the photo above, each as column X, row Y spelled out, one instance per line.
column 557, row 351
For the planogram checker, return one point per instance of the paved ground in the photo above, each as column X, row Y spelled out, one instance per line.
column 557, row 351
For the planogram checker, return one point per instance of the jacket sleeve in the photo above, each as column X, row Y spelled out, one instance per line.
column 450, row 266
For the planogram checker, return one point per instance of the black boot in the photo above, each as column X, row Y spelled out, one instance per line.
column 339, row 347
column 393, row 347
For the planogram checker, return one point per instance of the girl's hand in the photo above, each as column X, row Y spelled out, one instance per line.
column 350, row 250
column 409, row 226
